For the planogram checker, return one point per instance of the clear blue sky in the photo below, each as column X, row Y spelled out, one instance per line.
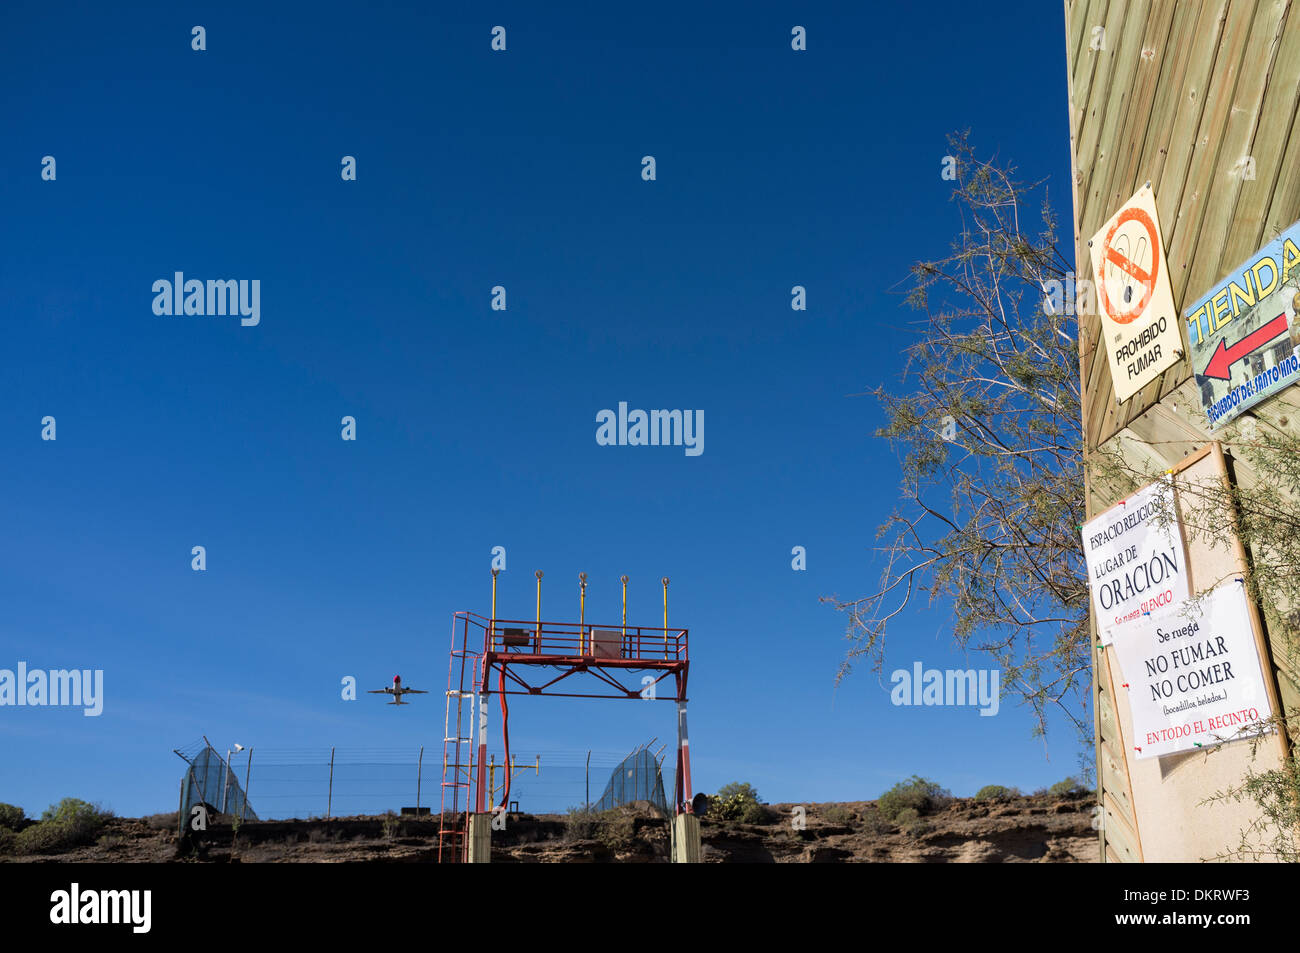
column 476, row 428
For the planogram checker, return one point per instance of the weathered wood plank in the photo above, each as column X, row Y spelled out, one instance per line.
column 1075, row 17
column 1125, row 82
column 1114, row 785
column 1171, row 191
column 1087, row 59
column 1157, row 56
column 1285, row 209
column 1078, row 14
column 1233, row 122
column 1109, row 726
column 1175, row 63
column 1121, row 834
column 1274, row 125
column 1116, row 65
column 1115, row 780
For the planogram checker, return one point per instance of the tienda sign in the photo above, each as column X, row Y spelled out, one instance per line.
column 1243, row 333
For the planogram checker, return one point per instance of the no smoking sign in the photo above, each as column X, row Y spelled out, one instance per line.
column 1129, row 266
column 1139, row 330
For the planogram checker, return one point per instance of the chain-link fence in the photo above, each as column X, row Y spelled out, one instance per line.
column 636, row 778
column 349, row 781
column 209, row 781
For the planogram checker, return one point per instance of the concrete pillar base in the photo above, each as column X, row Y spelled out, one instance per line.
column 479, row 838
column 686, row 839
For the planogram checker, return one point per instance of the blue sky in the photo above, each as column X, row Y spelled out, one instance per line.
column 476, row 428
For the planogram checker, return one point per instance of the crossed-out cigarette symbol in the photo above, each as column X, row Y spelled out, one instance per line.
column 1122, row 260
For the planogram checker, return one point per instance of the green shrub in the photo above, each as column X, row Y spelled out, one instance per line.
column 917, row 794
column 70, row 823
column 76, row 812
column 11, row 816
column 1067, row 787
column 736, row 789
column 739, row 802
column 42, row 838
column 991, row 791
column 8, row 841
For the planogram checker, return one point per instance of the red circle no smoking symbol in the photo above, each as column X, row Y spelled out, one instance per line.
column 1133, row 302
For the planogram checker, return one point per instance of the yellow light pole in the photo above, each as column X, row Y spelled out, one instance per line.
column 665, row 582
column 624, row 579
column 582, row 613
column 538, row 646
column 492, row 625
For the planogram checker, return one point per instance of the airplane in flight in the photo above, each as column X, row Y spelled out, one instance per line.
column 397, row 691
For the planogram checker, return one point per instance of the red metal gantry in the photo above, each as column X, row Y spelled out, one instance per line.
column 598, row 658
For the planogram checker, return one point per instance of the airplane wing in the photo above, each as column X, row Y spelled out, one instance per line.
column 417, row 691
column 381, row 691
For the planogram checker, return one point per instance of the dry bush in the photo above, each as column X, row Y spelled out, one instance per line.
column 838, row 814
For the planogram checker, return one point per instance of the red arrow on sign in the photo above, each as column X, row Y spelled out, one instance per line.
column 1224, row 357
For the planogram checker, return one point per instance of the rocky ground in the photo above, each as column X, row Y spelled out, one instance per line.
column 1042, row 829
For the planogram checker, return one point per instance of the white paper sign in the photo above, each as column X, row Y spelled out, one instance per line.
column 1135, row 564
column 1193, row 675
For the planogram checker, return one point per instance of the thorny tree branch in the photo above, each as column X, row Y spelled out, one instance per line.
column 988, row 520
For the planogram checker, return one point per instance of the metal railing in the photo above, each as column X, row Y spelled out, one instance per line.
column 573, row 640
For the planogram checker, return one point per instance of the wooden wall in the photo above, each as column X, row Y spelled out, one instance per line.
column 1182, row 92
column 1180, row 95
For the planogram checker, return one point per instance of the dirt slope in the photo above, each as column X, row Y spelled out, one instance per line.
column 1033, row 829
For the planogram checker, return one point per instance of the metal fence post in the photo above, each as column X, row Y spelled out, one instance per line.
column 248, row 770
column 329, row 803
column 419, row 771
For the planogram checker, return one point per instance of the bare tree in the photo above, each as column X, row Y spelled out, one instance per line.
column 987, row 421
